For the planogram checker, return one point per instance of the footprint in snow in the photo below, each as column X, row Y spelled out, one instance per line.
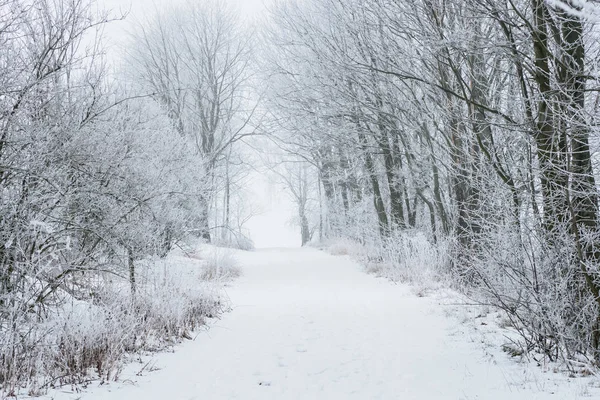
column 264, row 383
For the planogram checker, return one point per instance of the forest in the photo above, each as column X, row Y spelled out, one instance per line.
column 470, row 122
column 458, row 136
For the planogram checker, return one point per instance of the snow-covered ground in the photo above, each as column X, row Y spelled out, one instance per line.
column 309, row 325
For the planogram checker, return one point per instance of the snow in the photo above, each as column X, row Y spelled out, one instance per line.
column 310, row 325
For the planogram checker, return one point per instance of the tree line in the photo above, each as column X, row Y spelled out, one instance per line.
column 472, row 121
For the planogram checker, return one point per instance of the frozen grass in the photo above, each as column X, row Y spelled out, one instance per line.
column 75, row 341
column 408, row 257
column 63, row 346
column 235, row 241
column 341, row 247
column 220, row 265
column 345, row 247
column 413, row 258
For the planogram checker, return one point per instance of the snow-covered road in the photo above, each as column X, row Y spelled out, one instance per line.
column 308, row 325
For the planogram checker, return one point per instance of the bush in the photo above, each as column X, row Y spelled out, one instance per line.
column 78, row 340
column 343, row 247
column 541, row 291
column 412, row 257
column 407, row 256
column 235, row 241
column 220, row 265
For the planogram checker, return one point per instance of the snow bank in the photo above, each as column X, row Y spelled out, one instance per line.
column 85, row 337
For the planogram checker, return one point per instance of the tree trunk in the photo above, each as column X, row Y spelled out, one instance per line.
column 226, row 220
column 304, row 228
column 377, row 198
column 551, row 144
column 204, row 223
column 583, row 195
column 131, row 264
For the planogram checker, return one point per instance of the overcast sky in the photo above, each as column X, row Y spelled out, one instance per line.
column 138, row 9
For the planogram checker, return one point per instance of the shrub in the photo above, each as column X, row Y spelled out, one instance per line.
column 412, row 257
column 235, row 241
column 74, row 340
column 220, row 265
column 343, row 247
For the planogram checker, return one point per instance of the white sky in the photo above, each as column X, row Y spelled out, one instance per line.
column 138, row 9
column 271, row 227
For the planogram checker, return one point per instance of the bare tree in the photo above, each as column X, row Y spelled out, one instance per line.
column 469, row 120
column 195, row 59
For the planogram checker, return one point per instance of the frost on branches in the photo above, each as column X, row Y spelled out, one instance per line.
column 470, row 122
column 97, row 186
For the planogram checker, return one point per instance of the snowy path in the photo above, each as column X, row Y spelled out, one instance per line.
column 308, row 325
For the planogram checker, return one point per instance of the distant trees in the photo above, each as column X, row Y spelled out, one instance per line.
column 195, row 60
column 472, row 121
column 298, row 179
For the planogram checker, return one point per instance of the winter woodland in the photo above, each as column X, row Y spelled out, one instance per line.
column 447, row 141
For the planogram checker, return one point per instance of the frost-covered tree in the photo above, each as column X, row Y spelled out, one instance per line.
column 93, row 179
column 472, row 121
column 195, row 60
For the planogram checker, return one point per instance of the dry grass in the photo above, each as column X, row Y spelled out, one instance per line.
column 220, row 265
